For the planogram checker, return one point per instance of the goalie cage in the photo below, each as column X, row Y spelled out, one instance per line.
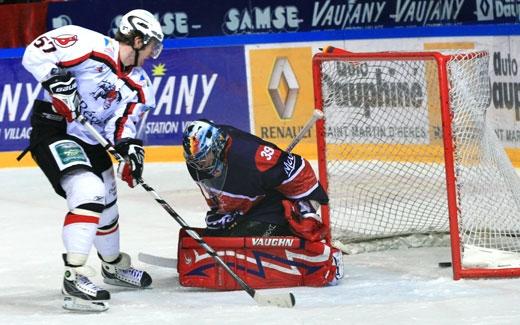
column 406, row 151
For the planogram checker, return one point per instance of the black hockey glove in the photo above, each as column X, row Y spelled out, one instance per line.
column 221, row 221
column 131, row 169
column 65, row 97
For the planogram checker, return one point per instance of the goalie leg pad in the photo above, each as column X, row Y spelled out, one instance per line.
column 337, row 262
column 262, row 262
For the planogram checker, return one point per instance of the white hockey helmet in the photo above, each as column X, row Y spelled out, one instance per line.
column 143, row 21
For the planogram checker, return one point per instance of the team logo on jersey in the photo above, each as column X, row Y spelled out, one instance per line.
column 107, row 92
column 65, row 40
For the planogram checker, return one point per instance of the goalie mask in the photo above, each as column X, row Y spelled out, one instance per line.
column 144, row 22
column 203, row 144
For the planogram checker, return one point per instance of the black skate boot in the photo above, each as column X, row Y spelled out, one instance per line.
column 80, row 294
column 121, row 273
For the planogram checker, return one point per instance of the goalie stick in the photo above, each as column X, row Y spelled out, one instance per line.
column 316, row 115
column 280, row 300
column 172, row 262
column 167, row 262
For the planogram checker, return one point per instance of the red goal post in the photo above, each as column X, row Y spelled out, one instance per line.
column 406, row 149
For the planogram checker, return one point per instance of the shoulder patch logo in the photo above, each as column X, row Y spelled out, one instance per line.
column 289, row 165
column 65, row 40
column 266, row 157
column 109, row 47
column 142, row 81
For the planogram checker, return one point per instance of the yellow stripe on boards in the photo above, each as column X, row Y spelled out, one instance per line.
column 152, row 154
column 449, row 46
column 409, row 153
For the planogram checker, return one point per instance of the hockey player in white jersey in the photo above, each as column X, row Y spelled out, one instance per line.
column 84, row 72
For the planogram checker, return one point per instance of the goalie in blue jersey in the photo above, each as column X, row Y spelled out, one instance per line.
column 254, row 189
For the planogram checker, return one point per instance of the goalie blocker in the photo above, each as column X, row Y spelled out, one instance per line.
column 262, row 262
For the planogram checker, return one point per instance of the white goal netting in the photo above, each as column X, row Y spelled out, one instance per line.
column 385, row 160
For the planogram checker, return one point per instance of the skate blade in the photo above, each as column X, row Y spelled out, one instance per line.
column 77, row 304
column 119, row 283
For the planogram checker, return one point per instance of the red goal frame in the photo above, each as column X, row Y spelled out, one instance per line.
column 331, row 53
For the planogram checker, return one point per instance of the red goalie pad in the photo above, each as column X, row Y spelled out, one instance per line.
column 262, row 262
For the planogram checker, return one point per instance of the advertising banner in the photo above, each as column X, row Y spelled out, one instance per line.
column 81, row 13
column 182, row 19
column 338, row 14
column 372, row 110
column 18, row 90
column 505, row 89
column 196, row 83
column 179, row 19
column 189, row 84
column 282, row 93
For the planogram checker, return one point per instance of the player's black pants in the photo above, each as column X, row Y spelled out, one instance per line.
column 49, row 145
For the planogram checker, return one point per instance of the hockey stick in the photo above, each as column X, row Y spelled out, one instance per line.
column 155, row 260
column 172, row 262
column 316, row 115
column 280, row 300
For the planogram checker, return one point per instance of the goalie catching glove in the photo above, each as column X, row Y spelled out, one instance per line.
column 303, row 220
column 131, row 169
column 65, row 97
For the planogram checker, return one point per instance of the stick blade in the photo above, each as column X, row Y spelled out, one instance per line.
column 284, row 300
column 157, row 260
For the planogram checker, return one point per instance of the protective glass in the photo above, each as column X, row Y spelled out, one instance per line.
column 211, row 188
column 157, row 48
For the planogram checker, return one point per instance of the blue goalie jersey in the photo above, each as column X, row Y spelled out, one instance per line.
column 257, row 177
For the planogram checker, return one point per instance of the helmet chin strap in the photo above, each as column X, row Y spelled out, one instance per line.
column 136, row 55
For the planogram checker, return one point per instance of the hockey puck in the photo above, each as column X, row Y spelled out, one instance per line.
column 444, row 264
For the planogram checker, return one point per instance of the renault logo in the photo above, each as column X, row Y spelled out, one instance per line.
column 484, row 10
column 282, row 71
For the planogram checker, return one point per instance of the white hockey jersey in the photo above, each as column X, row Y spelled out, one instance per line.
column 112, row 100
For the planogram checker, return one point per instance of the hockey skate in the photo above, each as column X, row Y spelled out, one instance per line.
column 80, row 294
column 121, row 273
column 337, row 261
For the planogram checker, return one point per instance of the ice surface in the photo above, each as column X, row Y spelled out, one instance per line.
column 391, row 287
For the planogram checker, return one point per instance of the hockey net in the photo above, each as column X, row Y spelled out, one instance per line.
column 408, row 157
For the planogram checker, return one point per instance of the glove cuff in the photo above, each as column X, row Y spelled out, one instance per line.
column 123, row 145
column 63, row 83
